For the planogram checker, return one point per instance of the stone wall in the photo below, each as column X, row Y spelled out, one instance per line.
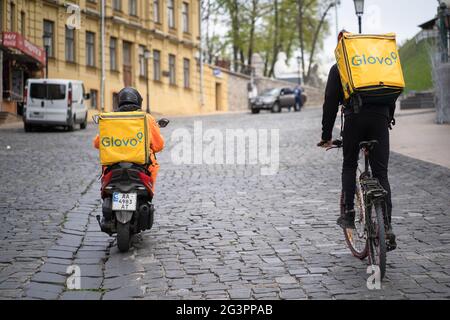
column 237, row 91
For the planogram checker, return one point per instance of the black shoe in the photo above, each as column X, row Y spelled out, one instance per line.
column 391, row 244
column 347, row 221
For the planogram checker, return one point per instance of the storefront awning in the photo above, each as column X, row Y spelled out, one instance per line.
column 15, row 40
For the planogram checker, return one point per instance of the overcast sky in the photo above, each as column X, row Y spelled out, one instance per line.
column 381, row 16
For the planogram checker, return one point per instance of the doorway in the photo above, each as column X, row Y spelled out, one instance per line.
column 218, row 96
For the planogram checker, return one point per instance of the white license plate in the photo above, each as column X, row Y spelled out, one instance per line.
column 124, row 201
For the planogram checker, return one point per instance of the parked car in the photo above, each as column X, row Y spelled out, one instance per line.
column 274, row 100
column 54, row 102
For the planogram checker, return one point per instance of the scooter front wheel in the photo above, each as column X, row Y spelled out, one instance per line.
column 123, row 236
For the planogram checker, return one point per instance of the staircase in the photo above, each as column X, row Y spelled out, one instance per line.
column 418, row 100
column 7, row 117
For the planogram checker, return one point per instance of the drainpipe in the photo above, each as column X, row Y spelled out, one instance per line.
column 102, row 81
column 202, row 101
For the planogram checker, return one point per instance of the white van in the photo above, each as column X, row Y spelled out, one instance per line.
column 54, row 102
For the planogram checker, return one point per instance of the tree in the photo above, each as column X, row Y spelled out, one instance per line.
column 315, row 40
column 266, row 27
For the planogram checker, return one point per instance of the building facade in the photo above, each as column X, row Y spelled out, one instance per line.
column 150, row 44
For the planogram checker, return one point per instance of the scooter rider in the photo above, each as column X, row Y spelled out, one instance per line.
column 372, row 122
column 130, row 100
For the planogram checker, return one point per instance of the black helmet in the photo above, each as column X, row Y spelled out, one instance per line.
column 129, row 99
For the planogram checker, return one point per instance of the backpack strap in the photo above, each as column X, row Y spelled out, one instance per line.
column 356, row 102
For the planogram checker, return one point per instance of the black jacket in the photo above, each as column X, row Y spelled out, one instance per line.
column 334, row 97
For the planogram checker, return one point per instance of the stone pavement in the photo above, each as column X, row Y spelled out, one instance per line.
column 221, row 231
column 417, row 135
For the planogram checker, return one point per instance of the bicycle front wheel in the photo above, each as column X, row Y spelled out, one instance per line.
column 377, row 239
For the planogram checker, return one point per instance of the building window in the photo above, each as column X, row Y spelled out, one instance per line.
column 115, row 98
column 22, row 24
column 49, row 28
column 156, row 13
column 70, row 44
column 185, row 15
column 186, row 73
column 142, row 62
column 113, row 53
column 90, row 49
column 127, row 63
column 12, row 16
column 132, row 7
column 156, row 65
column 172, row 70
column 94, row 98
column 117, row 5
column 171, row 13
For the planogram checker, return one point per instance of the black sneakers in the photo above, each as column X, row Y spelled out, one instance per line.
column 347, row 221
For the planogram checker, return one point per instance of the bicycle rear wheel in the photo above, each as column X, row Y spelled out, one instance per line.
column 377, row 241
column 357, row 238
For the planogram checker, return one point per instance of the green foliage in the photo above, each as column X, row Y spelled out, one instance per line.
column 416, row 65
column 267, row 27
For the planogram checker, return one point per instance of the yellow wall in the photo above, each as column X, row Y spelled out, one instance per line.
column 141, row 30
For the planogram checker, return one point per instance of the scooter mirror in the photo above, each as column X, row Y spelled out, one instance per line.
column 163, row 122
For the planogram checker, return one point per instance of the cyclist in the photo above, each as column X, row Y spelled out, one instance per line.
column 372, row 122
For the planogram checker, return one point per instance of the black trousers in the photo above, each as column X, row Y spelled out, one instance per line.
column 362, row 127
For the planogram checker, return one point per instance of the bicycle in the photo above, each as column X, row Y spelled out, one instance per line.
column 368, row 239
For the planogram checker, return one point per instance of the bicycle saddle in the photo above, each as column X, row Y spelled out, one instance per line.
column 368, row 145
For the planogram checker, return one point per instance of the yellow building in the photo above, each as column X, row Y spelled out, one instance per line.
column 154, row 42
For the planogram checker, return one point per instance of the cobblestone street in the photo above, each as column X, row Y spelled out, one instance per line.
column 221, row 231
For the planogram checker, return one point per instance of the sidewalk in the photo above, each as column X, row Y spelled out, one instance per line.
column 417, row 135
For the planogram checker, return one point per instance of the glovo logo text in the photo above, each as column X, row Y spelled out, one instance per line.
column 122, row 142
column 358, row 60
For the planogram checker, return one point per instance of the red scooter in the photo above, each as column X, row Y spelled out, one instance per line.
column 127, row 196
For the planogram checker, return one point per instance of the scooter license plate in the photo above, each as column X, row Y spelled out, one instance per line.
column 124, row 201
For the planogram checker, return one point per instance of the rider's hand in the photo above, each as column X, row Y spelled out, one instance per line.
column 391, row 123
column 325, row 144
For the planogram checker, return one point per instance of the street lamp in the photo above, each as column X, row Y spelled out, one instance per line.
column 147, row 56
column 444, row 28
column 445, row 7
column 47, row 43
column 359, row 9
column 299, row 60
column 337, row 3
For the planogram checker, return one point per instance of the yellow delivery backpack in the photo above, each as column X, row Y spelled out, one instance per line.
column 369, row 68
column 123, row 137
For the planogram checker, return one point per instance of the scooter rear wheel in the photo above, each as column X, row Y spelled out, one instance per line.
column 123, row 236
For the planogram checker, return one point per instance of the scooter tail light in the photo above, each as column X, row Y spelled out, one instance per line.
column 146, row 180
column 106, row 179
